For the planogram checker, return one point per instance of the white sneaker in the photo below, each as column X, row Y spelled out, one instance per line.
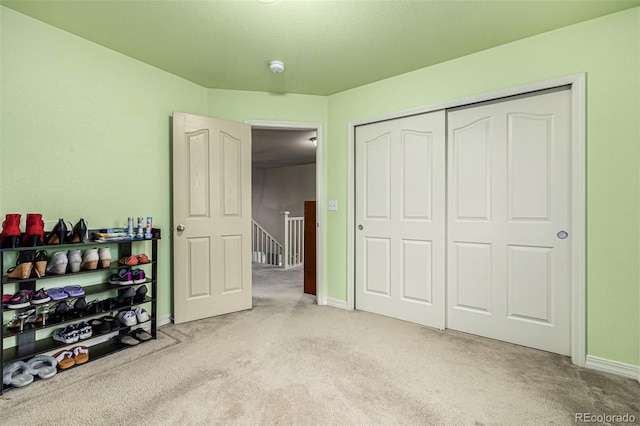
column 141, row 315
column 127, row 318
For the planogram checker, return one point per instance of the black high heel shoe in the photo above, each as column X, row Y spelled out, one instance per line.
column 79, row 233
column 58, row 234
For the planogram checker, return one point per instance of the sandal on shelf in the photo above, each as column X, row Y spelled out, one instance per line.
column 17, row 374
column 13, row 325
column 57, row 294
column 39, row 297
column 74, row 290
column 24, row 265
column 65, row 359
column 140, row 334
column 80, row 354
column 40, row 263
column 127, row 340
column 43, row 366
column 128, row 261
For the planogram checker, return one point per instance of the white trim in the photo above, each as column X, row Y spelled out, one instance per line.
column 612, row 367
column 578, row 222
column 578, row 200
column 321, row 234
column 164, row 320
column 335, row 303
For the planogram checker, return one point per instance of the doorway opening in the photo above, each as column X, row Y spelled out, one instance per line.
column 287, row 176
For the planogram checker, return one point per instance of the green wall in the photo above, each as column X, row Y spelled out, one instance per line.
column 85, row 132
column 607, row 49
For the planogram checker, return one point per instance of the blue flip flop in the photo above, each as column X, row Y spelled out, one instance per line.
column 57, row 294
column 74, row 290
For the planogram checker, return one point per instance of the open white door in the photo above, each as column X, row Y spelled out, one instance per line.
column 211, row 217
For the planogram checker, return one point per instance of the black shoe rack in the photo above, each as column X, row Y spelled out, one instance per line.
column 29, row 344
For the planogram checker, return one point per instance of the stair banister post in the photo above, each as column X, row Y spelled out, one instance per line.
column 285, row 239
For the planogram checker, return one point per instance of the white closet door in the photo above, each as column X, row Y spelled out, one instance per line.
column 400, row 218
column 508, row 204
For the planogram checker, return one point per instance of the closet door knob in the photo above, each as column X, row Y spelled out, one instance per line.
column 180, row 228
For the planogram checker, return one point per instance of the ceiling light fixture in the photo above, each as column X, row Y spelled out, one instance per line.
column 276, row 66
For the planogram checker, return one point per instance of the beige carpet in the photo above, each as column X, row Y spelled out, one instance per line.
column 289, row 361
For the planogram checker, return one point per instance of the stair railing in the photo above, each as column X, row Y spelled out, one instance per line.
column 266, row 249
column 293, row 238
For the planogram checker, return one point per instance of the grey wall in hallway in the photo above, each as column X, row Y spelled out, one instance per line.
column 280, row 189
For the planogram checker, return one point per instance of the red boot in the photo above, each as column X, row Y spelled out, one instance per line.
column 10, row 231
column 34, row 235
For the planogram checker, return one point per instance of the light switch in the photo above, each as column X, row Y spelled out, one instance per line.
column 333, row 205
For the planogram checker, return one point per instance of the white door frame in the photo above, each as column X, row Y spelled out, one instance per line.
column 321, row 298
column 578, row 193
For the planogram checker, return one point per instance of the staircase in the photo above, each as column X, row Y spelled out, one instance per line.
column 265, row 248
column 268, row 251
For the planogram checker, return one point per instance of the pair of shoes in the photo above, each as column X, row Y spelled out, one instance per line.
column 66, row 335
column 134, row 260
column 128, row 277
column 20, row 373
column 133, row 317
column 30, row 263
column 26, row 298
column 72, row 333
column 65, row 292
column 74, row 356
column 10, row 236
column 91, row 258
column 127, row 318
column 60, row 234
column 125, row 297
column 135, row 337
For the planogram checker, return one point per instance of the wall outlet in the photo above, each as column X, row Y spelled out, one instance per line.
column 333, row 205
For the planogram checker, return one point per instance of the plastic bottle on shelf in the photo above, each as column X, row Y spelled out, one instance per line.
column 148, row 233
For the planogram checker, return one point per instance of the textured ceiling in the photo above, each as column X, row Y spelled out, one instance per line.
column 327, row 46
column 282, row 148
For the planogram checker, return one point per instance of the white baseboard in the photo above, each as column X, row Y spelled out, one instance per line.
column 613, row 367
column 335, row 303
column 164, row 320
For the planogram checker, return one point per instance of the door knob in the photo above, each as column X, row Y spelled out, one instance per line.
column 180, row 228
column 360, row 227
column 562, row 235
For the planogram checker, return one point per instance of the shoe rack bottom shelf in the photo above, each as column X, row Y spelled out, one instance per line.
column 96, row 352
